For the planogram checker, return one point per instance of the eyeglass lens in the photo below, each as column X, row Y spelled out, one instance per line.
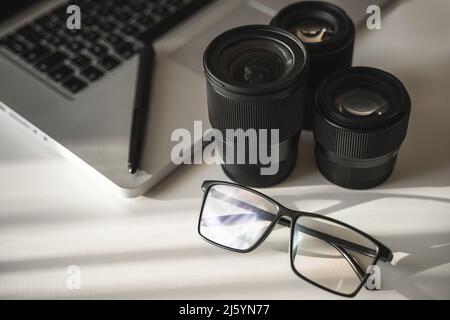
column 331, row 255
column 234, row 217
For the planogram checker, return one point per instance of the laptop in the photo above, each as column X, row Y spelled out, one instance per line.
column 75, row 88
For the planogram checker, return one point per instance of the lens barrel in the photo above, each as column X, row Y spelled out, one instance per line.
column 361, row 119
column 327, row 33
column 256, row 79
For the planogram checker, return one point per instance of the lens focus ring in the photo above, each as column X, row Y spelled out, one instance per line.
column 285, row 114
column 359, row 144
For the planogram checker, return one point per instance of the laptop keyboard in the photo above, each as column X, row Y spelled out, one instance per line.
column 112, row 31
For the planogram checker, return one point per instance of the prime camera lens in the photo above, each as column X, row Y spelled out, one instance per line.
column 361, row 119
column 256, row 79
column 328, row 34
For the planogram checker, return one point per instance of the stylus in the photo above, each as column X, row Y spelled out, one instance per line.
column 141, row 106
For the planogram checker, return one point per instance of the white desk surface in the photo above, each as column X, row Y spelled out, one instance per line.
column 53, row 216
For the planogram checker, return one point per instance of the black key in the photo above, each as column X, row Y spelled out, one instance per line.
column 36, row 27
column 120, row 3
column 61, row 73
column 52, row 61
column 175, row 3
column 57, row 19
column 71, row 33
column 90, row 35
column 36, row 54
column 161, row 11
column 76, row 46
column 115, row 40
column 107, row 26
column 81, row 60
column 16, row 46
column 188, row 7
column 104, row 11
column 130, row 30
column 41, row 20
column 98, row 50
column 127, row 50
column 146, row 20
column 30, row 34
column 68, row 35
column 88, row 20
column 126, row 7
column 92, row 73
column 138, row 6
column 122, row 16
column 108, row 62
column 74, row 85
column 48, row 25
column 87, row 5
column 55, row 40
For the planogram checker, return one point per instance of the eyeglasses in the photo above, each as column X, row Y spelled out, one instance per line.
column 324, row 252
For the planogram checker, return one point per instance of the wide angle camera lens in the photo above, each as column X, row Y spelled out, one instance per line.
column 361, row 119
column 328, row 34
column 256, row 79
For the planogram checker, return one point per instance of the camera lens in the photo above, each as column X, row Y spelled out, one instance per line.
column 328, row 34
column 361, row 119
column 256, row 79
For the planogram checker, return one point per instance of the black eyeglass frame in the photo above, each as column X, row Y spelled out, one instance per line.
column 383, row 253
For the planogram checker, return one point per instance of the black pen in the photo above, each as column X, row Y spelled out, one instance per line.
column 141, row 106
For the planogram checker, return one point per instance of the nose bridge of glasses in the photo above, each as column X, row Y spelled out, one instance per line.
column 286, row 212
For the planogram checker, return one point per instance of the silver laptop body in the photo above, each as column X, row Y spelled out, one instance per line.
column 93, row 129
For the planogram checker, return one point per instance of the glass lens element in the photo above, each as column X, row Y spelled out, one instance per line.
column 362, row 102
column 312, row 30
column 331, row 255
column 234, row 217
column 256, row 62
column 255, row 67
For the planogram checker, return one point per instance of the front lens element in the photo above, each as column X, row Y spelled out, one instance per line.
column 255, row 61
column 235, row 217
column 312, row 30
column 257, row 66
column 331, row 255
column 361, row 102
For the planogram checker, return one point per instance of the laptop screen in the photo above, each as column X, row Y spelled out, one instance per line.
column 10, row 8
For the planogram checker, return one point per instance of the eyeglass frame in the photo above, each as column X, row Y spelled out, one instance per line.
column 383, row 253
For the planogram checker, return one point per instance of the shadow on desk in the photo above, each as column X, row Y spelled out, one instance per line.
column 415, row 253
